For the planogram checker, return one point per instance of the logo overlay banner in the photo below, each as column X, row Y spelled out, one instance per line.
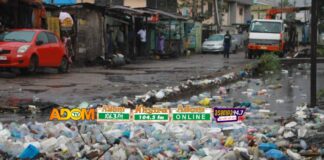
column 146, row 114
column 228, row 114
column 111, row 113
column 188, row 113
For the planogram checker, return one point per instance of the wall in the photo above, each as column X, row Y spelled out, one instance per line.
column 165, row 5
column 89, row 41
column 225, row 21
column 135, row 3
column 259, row 11
column 90, row 35
column 232, row 13
column 247, row 14
column 239, row 14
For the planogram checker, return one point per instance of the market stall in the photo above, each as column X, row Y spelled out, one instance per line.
column 166, row 35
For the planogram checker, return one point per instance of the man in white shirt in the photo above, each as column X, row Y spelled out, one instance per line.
column 142, row 34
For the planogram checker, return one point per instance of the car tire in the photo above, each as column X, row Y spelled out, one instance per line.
column 33, row 66
column 64, row 67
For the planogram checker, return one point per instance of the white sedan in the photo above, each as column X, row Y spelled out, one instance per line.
column 215, row 44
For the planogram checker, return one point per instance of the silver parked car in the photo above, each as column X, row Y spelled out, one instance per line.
column 215, row 44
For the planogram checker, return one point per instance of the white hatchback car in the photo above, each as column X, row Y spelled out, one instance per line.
column 215, row 44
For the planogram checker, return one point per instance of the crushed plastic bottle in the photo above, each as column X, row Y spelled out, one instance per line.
column 267, row 146
column 204, row 102
column 48, row 145
column 29, row 153
column 276, row 154
column 293, row 155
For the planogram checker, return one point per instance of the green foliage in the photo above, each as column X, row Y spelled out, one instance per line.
column 320, row 52
column 321, row 94
column 269, row 62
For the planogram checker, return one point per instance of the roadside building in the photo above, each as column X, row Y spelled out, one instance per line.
column 178, row 34
column 236, row 12
column 22, row 14
column 89, row 30
column 260, row 7
column 135, row 4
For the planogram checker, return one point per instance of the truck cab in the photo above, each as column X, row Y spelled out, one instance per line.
column 266, row 36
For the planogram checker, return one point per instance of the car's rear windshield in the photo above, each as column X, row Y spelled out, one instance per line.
column 17, row 36
column 216, row 38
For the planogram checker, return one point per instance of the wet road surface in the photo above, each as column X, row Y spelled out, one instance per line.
column 96, row 83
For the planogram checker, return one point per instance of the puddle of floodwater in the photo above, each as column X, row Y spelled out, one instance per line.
column 295, row 90
column 115, row 78
column 35, row 91
column 62, row 85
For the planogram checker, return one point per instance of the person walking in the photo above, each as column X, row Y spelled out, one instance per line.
column 142, row 35
column 227, row 44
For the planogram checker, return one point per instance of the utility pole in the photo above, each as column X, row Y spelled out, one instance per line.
column 202, row 7
column 281, row 8
column 305, row 3
column 194, row 9
column 216, row 15
column 314, row 22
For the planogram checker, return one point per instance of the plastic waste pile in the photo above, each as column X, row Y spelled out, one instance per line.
column 298, row 137
column 169, row 91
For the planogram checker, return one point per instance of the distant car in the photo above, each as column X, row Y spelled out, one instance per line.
column 28, row 49
column 215, row 44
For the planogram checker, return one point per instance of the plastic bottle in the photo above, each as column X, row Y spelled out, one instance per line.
column 303, row 144
column 29, row 153
column 276, row 154
column 48, row 144
column 293, row 155
column 267, row 146
column 229, row 142
column 4, row 134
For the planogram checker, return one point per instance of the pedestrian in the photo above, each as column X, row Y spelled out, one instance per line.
column 227, row 44
column 161, row 43
column 142, row 35
column 120, row 39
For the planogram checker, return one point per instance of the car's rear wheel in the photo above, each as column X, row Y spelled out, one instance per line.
column 64, row 67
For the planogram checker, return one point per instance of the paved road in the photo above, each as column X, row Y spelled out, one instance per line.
column 97, row 83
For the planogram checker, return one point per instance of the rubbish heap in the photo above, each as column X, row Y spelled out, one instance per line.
column 253, row 137
column 298, row 137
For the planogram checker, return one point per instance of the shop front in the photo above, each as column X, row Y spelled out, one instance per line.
column 166, row 35
column 22, row 14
